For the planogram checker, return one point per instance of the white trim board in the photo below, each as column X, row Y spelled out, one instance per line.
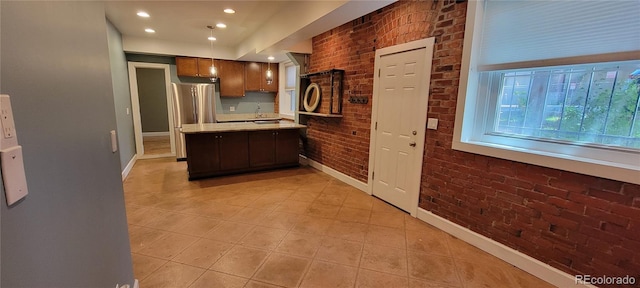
column 364, row 187
column 135, row 103
column 516, row 258
column 151, row 134
column 127, row 169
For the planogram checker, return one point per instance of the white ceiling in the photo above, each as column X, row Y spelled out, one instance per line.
column 258, row 28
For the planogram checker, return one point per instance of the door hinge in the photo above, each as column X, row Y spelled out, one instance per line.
column 378, row 73
column 373, row 175
column 376, row 126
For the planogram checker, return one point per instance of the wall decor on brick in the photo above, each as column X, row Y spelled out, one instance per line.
column 576, row 223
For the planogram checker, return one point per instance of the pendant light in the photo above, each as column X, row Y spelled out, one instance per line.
column 213, row 72
column 269, row 73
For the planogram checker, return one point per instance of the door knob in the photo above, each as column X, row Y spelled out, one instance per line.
column 412, row 144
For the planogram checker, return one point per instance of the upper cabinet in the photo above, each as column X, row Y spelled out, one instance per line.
column 235, row 77
column 231, row 76
column 193, row 67
column 256, row 77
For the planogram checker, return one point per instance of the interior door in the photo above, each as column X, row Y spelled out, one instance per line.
column 401, row 118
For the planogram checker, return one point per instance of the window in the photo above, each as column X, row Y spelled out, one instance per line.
column 288, row 98
column 539, row 86
column 589, row 104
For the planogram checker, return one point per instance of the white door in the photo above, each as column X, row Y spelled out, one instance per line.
column 402, row 94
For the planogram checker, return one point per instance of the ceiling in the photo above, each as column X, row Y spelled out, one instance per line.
column 256, row 30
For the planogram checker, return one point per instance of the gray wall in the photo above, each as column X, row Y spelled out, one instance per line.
column 121, row 96
column 153, row 100
column 71, row 230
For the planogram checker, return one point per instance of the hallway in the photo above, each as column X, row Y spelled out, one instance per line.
column 289, row 228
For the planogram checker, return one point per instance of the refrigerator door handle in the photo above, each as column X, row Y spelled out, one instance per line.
column 195, row 104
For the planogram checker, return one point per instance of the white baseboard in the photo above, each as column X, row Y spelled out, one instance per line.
column 364, row 187
column 516, row 258
column 155, row 133
column 127, row 169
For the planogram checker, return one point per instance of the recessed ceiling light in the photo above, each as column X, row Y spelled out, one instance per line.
column 149, row 30
column 229, row 11
column 221, row 25
column 143, row 14
column 271, row 58
column 211, row 38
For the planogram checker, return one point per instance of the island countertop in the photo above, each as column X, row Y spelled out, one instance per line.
column 237, row 126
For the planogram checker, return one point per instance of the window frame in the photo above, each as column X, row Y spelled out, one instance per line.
column 471, row 120
column 285, row 91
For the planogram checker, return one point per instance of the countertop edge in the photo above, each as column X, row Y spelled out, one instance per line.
column 240, row 127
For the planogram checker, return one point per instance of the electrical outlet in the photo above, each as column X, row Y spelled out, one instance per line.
column 432, row 123
column 232, row 108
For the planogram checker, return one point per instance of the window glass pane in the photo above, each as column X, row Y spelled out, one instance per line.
column 292, row 96
column 589, row 104
column 290, row 76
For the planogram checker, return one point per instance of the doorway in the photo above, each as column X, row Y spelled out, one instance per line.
column 399, row 116
column 152, row 114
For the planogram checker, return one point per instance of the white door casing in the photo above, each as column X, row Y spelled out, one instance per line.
column 135, row 106
column 399, row 115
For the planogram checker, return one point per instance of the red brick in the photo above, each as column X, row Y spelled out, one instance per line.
column 580, row 218
column 559, row 221
column 606, row 216
column 626, row 211
column 611, row 196
column 544, row 207
column 532, row 195
column 568, row 205
column 551, row 191
column 590, row 201
column 631, row 189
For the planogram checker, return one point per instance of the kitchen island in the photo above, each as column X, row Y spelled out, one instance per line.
column 227, row 148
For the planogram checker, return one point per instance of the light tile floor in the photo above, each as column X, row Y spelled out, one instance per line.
column 289, row 228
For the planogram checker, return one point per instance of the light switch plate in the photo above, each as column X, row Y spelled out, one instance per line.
column 114, row 141
column 8, row 137
column 13, row 176
column 432, row 123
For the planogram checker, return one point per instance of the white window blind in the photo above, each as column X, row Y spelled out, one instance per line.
column 517, row 34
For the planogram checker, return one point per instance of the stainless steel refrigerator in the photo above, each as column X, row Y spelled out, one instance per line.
column 192, row 104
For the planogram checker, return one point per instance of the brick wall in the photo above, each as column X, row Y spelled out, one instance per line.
column 579, row 224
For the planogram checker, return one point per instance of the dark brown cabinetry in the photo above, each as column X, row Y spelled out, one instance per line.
column 231, row 76
column 193, row 67
column 217, row 153
column 273, row 147
column 256, row 77
column 211, row 154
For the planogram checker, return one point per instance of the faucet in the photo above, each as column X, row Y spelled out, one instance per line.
column 258, row 114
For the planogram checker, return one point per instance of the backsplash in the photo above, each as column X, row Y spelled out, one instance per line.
column 246, row 104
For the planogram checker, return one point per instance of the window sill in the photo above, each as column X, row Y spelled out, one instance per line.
column 598, row 168
column 287, row 116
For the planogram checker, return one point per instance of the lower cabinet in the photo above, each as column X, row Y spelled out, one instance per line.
column 211, row 154
column 273, row 147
